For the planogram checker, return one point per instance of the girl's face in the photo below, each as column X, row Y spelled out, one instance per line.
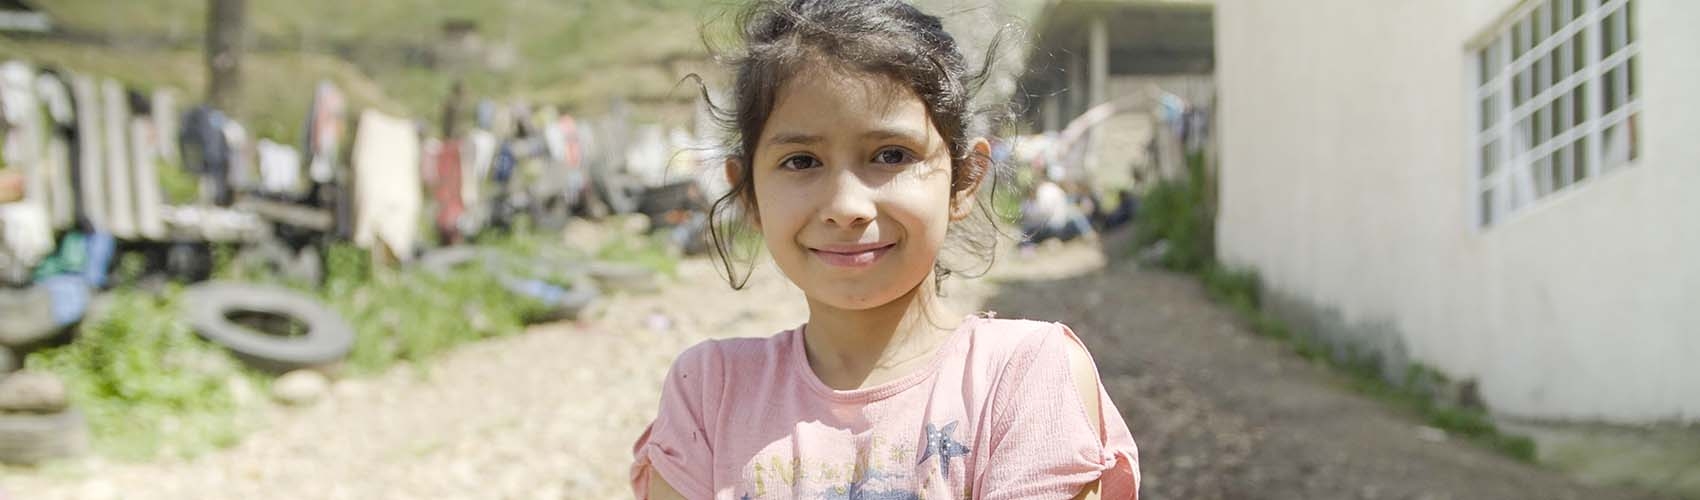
column 852, row 188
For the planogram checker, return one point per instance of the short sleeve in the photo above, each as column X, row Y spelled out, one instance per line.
column 676, row 444
column 1042, row 443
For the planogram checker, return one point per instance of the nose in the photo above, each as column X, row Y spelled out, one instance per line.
column 849, row 202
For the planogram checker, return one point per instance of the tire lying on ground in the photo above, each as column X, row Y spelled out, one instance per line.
column 445, row 261
column 562, row 303
column 26, row 316
column 277, row 258
column 551, row 213
column 208, row 309
column 30, row 438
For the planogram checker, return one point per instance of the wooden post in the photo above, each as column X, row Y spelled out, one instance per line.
column 226, row 30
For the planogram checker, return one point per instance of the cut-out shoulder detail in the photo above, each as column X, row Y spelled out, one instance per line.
column 1086, row 383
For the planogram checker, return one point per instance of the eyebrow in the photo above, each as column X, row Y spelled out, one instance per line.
column 895, row 133
column 790, row 138
column 808, row 139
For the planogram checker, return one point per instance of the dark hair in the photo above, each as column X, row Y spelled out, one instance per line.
column 888, row 38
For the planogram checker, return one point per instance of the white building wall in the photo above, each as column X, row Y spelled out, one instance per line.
column 1345, row 180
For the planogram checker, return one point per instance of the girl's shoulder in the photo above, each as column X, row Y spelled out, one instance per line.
column 1015, row 336
column 1019, row 347
column 744, row 352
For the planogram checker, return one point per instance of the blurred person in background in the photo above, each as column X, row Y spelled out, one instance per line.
column 1050, row 212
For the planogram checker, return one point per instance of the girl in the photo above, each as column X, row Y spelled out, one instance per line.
column 851, row 154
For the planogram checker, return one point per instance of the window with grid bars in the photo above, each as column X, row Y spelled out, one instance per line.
column 1558, row 102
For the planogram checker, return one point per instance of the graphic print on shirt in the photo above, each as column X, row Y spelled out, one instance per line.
column 941, row 444
column 880, row 470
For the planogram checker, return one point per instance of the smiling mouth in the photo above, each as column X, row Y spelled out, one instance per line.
column 852, row 255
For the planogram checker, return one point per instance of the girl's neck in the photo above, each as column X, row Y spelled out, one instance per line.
column 849, row 349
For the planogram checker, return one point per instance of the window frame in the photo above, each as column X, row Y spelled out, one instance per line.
column 1507, row 108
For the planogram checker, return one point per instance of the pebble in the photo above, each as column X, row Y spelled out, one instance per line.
column 299, row 387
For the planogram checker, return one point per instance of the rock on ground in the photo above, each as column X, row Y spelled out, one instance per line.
column 300, row 387
column 34, row 392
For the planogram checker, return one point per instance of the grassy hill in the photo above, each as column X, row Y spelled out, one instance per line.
column 578, row 53
column 573, row 52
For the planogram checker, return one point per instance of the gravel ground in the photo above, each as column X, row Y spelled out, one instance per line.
column 551, row 414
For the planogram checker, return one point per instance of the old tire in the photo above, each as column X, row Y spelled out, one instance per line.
column 328, row 337
column 657, row 201
column 618, row 193
column 551, row 213
column 31, row 438
column 562, row 303
column 276, row 258
column 445, row 261
column 26, row 316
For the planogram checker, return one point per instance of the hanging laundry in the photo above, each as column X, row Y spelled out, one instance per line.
column 25, row 234
column 206, row 153
column 244, row 170
column 25, row 138
column 479, row 157
column 386, row 183
column 324, row 133
column 280, row 168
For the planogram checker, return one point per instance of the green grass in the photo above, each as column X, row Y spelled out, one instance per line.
column 151, row 388
column 147, row 384
column 1175, row 211
column 414, row 316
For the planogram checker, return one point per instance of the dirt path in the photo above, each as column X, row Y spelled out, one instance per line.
column 551, row 414
column 1220, row 413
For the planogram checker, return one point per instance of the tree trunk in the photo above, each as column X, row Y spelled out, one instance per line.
column 226, row 30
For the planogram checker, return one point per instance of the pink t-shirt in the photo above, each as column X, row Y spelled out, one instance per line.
column 994, row 415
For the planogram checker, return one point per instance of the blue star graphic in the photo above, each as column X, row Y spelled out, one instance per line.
column 939, row 442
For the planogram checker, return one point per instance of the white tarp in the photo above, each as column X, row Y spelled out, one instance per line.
column 165, row 123
column 120, row 208
column 144, row 178
column 90, row 152
column 387, row 192
column 56, row 152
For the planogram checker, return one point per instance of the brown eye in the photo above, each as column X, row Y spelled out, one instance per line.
column 893, row 156
column 799, row 162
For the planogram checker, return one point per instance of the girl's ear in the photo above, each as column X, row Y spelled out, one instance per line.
column 746, row 199
column 974, row 171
